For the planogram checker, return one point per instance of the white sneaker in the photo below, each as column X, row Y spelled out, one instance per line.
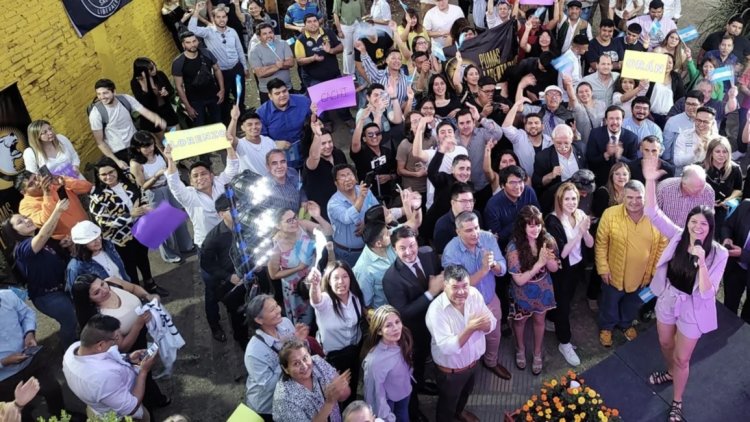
column 737, row 156
column 549, row 326
column 569, row 354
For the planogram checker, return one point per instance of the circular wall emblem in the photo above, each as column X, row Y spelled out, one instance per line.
column 101, row 8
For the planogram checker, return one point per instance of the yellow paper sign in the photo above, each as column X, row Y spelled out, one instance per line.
column 649, row 66
column 200, row 140
column 244, row 414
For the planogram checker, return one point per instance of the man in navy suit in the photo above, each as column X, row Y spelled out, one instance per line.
column 609, row 144
column 410, row 285
column 559, row 162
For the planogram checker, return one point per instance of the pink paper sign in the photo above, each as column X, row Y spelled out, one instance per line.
column 334, row 94
column 155, row 227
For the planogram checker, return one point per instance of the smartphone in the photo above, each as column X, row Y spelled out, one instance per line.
column 370, row 178
column 151, row 351
column 31, row 351
column 44, row 171
column 61, row 193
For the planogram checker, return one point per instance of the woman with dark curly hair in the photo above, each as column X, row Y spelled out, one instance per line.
column 532, row 256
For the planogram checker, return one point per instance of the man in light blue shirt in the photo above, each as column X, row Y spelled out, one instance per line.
column 18, row 360
column 478, row 252
column 377, row 256
column 346, row 210
column 225, row 44
column 639, row 122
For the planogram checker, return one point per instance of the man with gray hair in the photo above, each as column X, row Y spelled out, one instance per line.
column 627, row 249
column 559, row 162
column 359, row 411
column 676, row 196
column 477, row 251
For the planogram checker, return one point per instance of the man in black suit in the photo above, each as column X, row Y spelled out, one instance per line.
column 557, row 163
column 410, row 285
column 609, row 144
column 734, row 235
column 651, row 147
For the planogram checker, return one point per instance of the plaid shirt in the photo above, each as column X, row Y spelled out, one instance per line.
column 676, row 205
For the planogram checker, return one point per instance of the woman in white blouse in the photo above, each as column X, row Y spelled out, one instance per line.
column 339, row 312
column 47, row 148
column 570, row 228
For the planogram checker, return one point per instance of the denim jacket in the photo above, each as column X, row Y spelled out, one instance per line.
column 78, row 267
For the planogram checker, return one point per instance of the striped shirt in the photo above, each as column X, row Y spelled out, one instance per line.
column 381, row 76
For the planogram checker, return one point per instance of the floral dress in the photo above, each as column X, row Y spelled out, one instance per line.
column 297, row 308
column 536, row 296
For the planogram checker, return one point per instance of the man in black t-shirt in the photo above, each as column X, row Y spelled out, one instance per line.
column 199, row 82
column 733, row 28
column 604, row 44
column 317, row 176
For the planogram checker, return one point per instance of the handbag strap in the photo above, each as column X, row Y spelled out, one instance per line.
column 270, row 346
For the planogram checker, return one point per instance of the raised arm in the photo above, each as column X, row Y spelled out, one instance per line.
column 652, row 173
column 41, row 238
column 416, row 147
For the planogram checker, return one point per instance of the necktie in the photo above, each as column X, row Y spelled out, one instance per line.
column 420, row 275
column 550, row 122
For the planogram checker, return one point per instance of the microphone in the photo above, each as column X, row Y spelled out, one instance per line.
column 694, row 258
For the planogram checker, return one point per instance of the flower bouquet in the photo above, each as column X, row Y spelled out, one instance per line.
column 565, row 400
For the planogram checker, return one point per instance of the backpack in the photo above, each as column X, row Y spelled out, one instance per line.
column 205, row 76
column 103, row 110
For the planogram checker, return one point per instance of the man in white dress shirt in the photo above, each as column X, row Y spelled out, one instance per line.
column 458, row 320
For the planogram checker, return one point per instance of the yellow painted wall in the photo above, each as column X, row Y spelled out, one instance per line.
column 55, row 69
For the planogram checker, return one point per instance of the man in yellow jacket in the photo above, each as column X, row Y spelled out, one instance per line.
column 627, row 250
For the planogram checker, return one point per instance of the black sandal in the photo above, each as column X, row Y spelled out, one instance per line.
column 659, row 377
column 675, row 412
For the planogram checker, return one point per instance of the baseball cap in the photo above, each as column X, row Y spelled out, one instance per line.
column 575, row 3
column 85, row 232
column 553, row 88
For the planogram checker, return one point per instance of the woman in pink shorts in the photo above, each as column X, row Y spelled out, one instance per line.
column 686, row 280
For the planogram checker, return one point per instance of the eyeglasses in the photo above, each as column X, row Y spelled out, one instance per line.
column 701, row 121
column 464, row 201
column 487, row 91
column 373, row 134
column 696, row 104
column 291, row 220
column 223, row 38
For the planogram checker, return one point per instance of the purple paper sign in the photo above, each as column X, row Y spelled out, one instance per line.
column 539, row 2
column 330, row 95
column 155, row 227
column 65, row 170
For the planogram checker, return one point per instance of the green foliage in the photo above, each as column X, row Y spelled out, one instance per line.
column 108, row 417
column 720, row 12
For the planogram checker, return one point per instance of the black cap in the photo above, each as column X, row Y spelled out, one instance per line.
column 581, row 39
column 575, row 3
column 486, row 80
column 222, row 203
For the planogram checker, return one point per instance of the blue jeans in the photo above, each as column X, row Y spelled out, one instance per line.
column 58, row 306
column 618, row 308
column 346, row 256
column 586, row 13
column 400, row 409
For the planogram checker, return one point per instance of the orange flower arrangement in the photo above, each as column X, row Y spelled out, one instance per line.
column 565, row 399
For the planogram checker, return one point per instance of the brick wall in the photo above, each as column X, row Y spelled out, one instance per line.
column 55, row 69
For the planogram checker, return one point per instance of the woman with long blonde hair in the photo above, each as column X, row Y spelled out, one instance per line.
column 611, row 193
column 388, row 365
column 724, row 176
column 47, row 148
column 569, row 226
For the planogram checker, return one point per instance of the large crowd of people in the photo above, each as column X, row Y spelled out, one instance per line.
column 457, row 207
